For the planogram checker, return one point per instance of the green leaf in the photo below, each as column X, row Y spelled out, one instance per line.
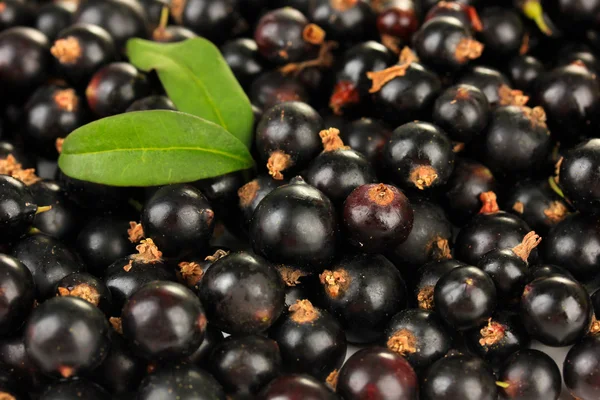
column 148, row 148
column 198, row 80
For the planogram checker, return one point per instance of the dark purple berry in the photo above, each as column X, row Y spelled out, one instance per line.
column 17, row 294
column 180, row 381
column 529, row 374
column 580, row 369
column 292, row 387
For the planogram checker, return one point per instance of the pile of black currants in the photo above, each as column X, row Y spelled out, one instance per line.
column 423, row 221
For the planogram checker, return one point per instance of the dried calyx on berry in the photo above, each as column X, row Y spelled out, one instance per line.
column 380, row 78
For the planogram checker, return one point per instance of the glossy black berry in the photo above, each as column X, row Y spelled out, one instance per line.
column 310, row 340
column 24, row 61
column 81, row 329
column 556, row 310
column 287, row 137
column 272, row 88
column 212, row 337
column 305, row 235
column 244, row 364
column 17, row 209
column 427, row 277
column 16, row 13
column 459, row 376
column 23, row 372
column 346, row 22
column 123, row 19
column 529, row 374
column 259, row 293
column 180, row 381
column 580, row 368
column 367, row 136
column 152, row 103
column 244, row 60
column 377, row 216
column 53, row 18
column 179, row 219
column 419, row 336
column 465, row 297
column 462, row 111
column 49, row 261
column 172, row 34
column 577, row 176
column 17, row 295
column 251, row 194
column 93, row 196
column 75, row 389
column 525, row 71
column 86, row 287
column 363, row 292
column 215, row 20
column 486, row 79
column 291, row 387
column 574, row 244
column 114, row 87
column 398, row 20
column 382, row 374
column 571, row 97
column 63, row 220
column 149, row 326
column 460, row 10
column 428, row 240
column 545, row 270
column 502, row 32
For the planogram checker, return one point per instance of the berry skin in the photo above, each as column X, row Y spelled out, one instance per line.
column 179, row 219
column 363, row 292
column 310, row 340
column 273, row 87
column 79, row 327
column 574, row 244
column 16, row 13
column 381, row 374
column 53, row 18
column 173, row 34
column 465, row 297
column 488, row 80
column 377, row 216
column 148, row 326
column 17, row 294
column 502, row 32
column 545, row 270
column 24, row 373
column 350, row 22
column 305, row 236
column 244, row 364
column 75, row 389
column 462, row 111
column 292, row 387
column 152, row 103
column 398, row 19
column 212, row 337
column 63, row 220
column 122, row 19
column 24, row 61
column 419, row 336
column 459, row 376
column 86, row 287
column 580, row 368
column 563, row 314
column 251, row 194
column 529, row 374
column 81, row 50
column 93, row 196
column 498, row 338
column 427, row 277
column 244, row 60
column 182, row 382
column 48, row 260
column 460, row 10
column 367, row 136
column 215, row 20
column 578, row 176
column 114, row 87
column 287, row 137
column 102, row 241
column 17, row 209
column 259, row 294
column 445, row 44
column 525, row 71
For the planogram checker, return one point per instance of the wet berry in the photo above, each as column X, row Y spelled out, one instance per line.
column 290, row 387
column 244, row 364
column 580, row 369
column 377, row 216
column 363, row 292
column 182, row 381
column 79, row 327
column 75, row 389
column 419, row 336
column 259, row 293
column 529, row 374
column 427, row 277
column 305, row 236
column 556, row 310
column 310, row 340
column 17, row 295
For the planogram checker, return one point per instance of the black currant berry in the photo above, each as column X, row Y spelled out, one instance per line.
column 545, row 270
column 123, row 19
column 114, row 87
column 345, row 21
column 259, row 293
column 580, row 368
column 63, row 220
column 488, row 80
column 291, row 387
column 462, row 111
column 367, row 136
column 498, row 338
column 75, row 389
column 52, row 18
column 86, row 287
column 179, row 219
column 363, row 292
column 273, row 87
column 382, row 374
column 16, row 13
column 502, row 33
column 377, row 216
column 427, row 277
column 338, row 170
column 48, row 260
column 67, row 336
column 419, row 336
column 397, row 21
column 465, row 297
column 577, row 176
column 287, row 137
column 17, row 294
column 251, row 194
column 216, row 20
column 310, row 340
column 148, row 326
column 212, row 337
column 244, row 60
column 94, row 196
column 459, row 376
column 192, row 270
column 525, row 71
column 244, row 364
column 18, row 209
column 172, row 34
column 460, row 10
column 180, row 381
column 24, row 373
column 529, row 374
column 152, row 103
column 305, row 235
